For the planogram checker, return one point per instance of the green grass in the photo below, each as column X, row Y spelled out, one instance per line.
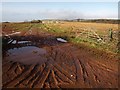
column 91, row 43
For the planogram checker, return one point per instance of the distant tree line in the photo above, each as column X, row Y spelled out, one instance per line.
column 33, row 21
column 36, row 21
column 111, row 21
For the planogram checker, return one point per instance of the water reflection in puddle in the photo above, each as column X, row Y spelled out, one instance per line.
column 27, row 55
column 20, row 42
column 61, row 40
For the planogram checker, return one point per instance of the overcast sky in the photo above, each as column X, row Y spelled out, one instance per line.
column 21, row 11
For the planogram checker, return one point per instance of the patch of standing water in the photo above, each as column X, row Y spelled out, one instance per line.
column 27, row 55
column 61, row 40
column 20, row 42
column 14, row 42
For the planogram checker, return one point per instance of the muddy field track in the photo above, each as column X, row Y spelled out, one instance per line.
column 37, row 60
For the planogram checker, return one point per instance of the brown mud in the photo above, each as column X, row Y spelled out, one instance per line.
column 44, row 62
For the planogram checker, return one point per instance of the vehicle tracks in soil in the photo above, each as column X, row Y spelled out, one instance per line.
column 66, row 66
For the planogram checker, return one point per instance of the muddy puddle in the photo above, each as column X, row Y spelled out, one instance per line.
column 27, row 55
column 27, row 52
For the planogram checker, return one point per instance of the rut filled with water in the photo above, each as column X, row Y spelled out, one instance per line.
column 27, row 55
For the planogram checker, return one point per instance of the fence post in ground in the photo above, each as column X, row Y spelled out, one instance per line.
column 110, row 34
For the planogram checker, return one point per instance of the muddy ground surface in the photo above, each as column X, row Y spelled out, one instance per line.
column 36, row 59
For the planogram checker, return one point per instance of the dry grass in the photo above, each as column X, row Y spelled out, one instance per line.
column 92, row 34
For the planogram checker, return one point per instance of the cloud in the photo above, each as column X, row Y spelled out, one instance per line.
column 102, row 14
column 41, row 14
column 61, row 14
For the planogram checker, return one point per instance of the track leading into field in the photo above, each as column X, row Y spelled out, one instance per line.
column 66, row 66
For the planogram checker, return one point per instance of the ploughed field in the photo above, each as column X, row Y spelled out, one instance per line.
column 43, row 56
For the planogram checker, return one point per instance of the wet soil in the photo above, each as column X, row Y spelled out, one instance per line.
column 44, row 62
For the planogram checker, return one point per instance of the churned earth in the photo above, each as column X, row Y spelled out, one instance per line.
column 35, row 59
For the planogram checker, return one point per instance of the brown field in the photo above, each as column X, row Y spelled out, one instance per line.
column 34, row 58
